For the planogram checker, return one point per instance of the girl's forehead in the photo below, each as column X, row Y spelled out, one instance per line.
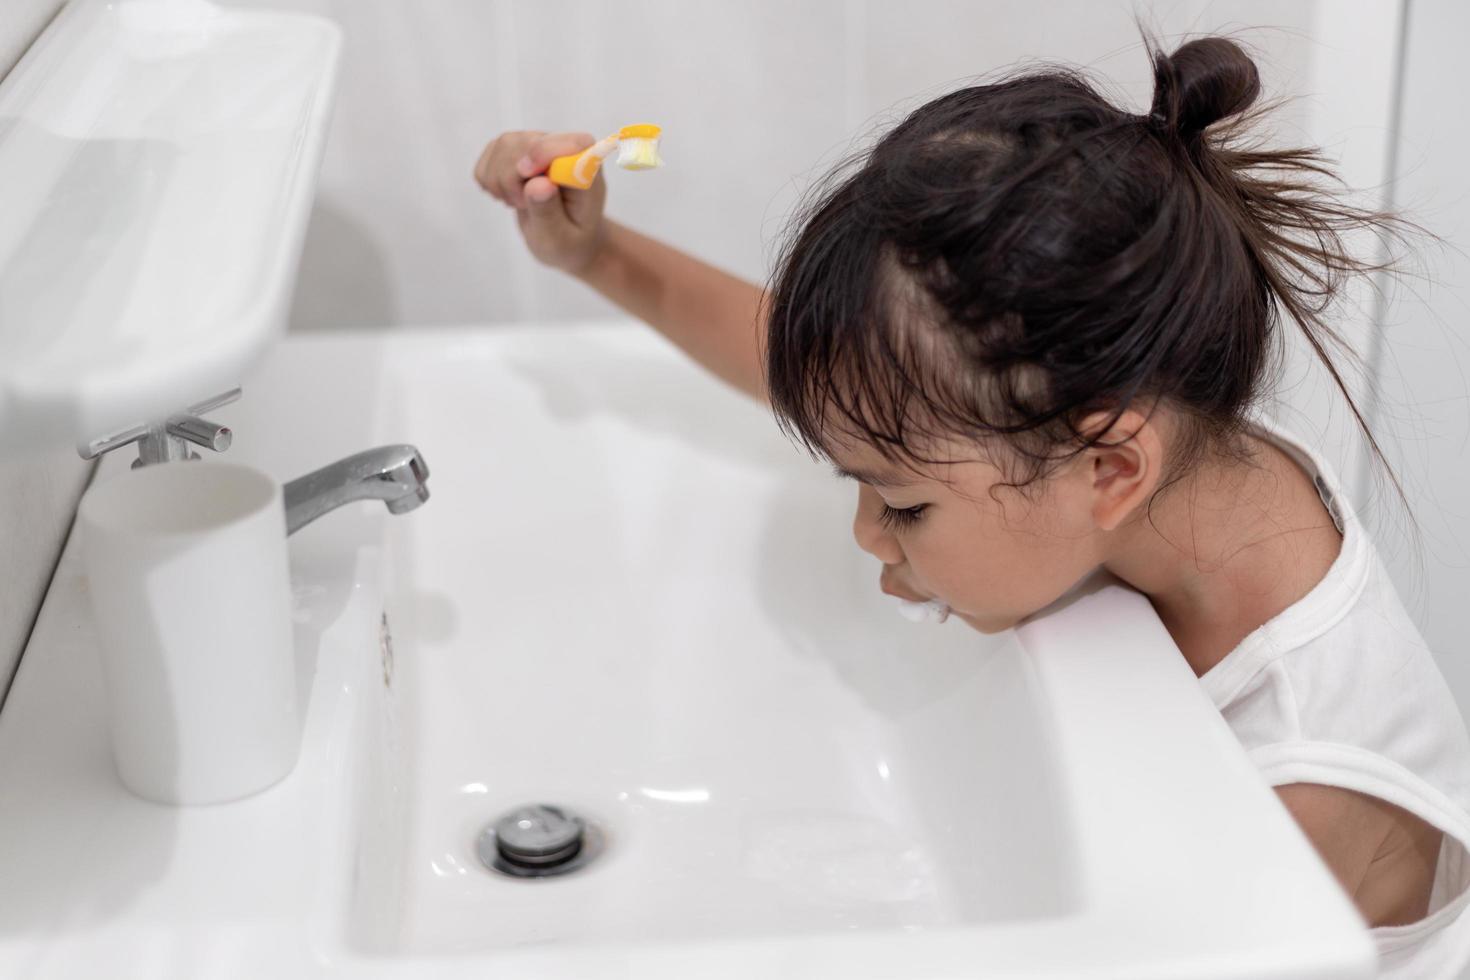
column 860, row 460
column 874, row 478
column 936, row 461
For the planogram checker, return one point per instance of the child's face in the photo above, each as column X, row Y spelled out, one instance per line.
column 992, row 553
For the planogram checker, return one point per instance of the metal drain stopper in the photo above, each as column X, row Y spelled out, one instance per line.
column 539, row 840
column 538, row 835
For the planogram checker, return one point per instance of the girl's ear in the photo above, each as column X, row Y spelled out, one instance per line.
column 1124, row 465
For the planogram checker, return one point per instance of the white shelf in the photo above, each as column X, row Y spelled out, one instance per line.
column 158, row 160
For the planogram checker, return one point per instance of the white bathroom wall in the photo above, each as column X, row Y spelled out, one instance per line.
column 757, row 98
column 38, row 495
column 1424, row 420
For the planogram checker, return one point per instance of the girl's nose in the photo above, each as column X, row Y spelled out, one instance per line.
column 871, row 536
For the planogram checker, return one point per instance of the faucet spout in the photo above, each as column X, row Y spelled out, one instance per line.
column 396, row 475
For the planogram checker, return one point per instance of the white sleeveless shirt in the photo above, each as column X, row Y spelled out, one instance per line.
column 1339, row 689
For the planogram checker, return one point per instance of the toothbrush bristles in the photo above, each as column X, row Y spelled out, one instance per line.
column 638, row 153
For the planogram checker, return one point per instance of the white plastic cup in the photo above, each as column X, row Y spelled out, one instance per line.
column 186, row 563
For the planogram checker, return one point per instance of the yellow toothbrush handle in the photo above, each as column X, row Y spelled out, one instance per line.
column 573, row 171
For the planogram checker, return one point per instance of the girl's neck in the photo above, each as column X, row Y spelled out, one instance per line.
column 1226, row 549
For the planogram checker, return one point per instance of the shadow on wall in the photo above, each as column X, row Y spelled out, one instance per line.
column 590, row 376
column 343, row 277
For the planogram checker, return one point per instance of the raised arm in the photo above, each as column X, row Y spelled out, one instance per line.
column 714, row 317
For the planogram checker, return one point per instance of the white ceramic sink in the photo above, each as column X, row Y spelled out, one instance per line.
column 656, row 614
column 629, row 595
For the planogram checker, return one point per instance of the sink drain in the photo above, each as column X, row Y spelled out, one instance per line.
column 538, row 840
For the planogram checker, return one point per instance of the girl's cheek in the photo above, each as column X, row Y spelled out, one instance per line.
column 998, row 577
column 970, row 571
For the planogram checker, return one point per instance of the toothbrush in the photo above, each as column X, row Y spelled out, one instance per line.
column 637, row 148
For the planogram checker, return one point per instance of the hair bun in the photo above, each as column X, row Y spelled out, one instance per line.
column 1201, row 83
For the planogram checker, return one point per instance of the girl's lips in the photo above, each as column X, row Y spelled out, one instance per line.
column 914, row 607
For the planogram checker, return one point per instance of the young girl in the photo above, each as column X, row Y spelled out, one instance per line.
column 1035, row 329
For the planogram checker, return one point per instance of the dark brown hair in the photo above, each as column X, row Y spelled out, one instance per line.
column 1013, row 257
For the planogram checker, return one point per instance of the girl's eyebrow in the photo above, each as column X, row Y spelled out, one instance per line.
column 871, row 479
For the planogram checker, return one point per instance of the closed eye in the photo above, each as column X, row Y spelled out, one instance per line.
column 895, row 519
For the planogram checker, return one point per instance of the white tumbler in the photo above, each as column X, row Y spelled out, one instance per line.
column 186, row 563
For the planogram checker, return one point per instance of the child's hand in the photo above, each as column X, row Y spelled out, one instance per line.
column 562, row 227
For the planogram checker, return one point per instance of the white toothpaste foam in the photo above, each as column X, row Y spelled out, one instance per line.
column 932, row 611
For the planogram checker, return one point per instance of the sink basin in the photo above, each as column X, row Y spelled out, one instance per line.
column 631, row 597
column 659, row 617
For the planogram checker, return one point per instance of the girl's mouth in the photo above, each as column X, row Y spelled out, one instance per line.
column 916, row 608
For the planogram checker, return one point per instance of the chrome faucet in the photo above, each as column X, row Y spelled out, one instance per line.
column 396, row 475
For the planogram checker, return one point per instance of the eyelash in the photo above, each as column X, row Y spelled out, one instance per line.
column 898, row 520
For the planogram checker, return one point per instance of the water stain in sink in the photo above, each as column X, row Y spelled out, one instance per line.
column 385, row 650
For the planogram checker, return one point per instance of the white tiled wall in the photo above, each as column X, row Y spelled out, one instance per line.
column 38, row 495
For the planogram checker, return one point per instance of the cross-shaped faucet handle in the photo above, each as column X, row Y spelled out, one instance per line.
column 168, row 440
